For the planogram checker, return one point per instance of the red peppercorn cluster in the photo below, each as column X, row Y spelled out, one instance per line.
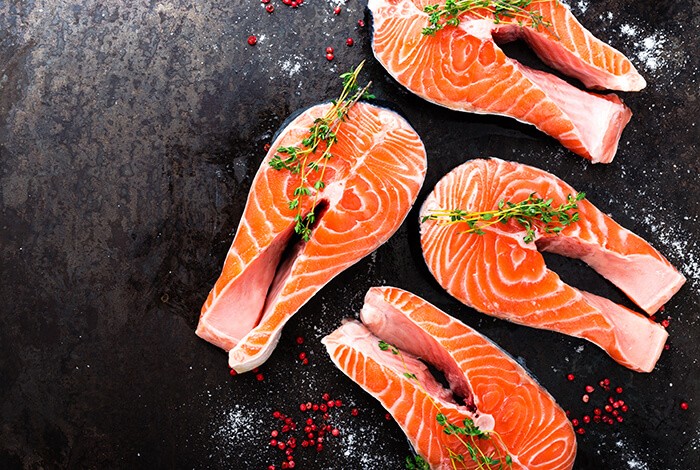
column 258, row 375
column 290, row 3
column 303, row 357
column 610, row 412
column 312, row 435
column 330, row 53
column 665, row 322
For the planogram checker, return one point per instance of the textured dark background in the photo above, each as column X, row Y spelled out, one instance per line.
column 129, row 135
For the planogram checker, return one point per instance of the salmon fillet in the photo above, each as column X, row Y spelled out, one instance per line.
column 499, row 274
column 462, row 68
column 494, row 390
column 372, row 180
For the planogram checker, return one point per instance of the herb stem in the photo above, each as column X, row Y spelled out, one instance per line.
column 323, row 131
column 470, row 429
column 516, row 12
column 532, row 213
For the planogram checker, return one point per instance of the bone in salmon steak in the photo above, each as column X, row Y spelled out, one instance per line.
column 495, row 391
column 462, row 68
column 372, row 180
column 500, row 275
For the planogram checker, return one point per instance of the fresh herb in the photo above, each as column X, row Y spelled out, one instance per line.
column 532, row 213
column 416, row 462
column 384, row 346
column 306, row 161
column 468, row 434
column 502, row 11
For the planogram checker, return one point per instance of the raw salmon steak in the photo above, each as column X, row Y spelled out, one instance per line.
column 486, row 385
column 499, row 274
column 462, row 68
column 372, row 180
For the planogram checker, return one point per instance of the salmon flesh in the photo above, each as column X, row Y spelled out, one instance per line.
column 499, row 274
column 485, row 385
column 462, row 68
column 371, row 182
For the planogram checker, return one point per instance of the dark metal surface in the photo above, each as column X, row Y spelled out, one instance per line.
column 129, row 136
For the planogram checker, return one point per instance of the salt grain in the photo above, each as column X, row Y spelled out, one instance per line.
column 366, row 443
column 628, row 30
column 651, row 51
column 634, row 463
column 291, row 66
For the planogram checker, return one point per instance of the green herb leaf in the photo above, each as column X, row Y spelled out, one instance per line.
column 416, row 462
column 504, row 11
column 323, row 133
column 532, row 213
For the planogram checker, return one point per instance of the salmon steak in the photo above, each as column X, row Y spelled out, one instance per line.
column 523, row 423
column 377, row 167
column 500, row 274
column 462, row 68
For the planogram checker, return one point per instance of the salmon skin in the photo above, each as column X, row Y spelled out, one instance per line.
column 494, row 391
column 462, row 68
column 372, row 180
column 499, row 274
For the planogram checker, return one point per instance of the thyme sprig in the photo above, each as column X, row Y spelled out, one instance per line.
column 305, row 160
column 532, row 213
column 502, row 12
column 467, row 433
column 416, row 462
